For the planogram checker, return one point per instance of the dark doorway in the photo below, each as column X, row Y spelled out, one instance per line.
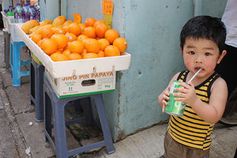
column 1, row 22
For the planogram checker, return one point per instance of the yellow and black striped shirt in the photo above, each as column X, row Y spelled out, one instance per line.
column 190, row 129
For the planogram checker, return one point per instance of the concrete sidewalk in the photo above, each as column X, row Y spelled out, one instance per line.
column 22, row 137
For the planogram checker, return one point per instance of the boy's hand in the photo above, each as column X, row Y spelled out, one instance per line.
column 186, row 93
column 163, row 98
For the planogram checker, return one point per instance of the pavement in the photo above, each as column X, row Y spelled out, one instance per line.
column 22, row 137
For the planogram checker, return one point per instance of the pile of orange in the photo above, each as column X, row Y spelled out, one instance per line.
column 64, row 39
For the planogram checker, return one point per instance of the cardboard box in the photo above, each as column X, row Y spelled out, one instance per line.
column 83, row 84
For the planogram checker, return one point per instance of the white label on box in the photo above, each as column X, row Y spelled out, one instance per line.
column 83, row 84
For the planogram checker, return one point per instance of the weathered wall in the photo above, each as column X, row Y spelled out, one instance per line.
column 49, row 9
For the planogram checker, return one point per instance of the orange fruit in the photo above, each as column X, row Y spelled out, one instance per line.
column 84, row 52
column 90, row 21
column 100, row 29
column 89, row 32
column 66, row 52
column 74, row 56
column 59, row 20
column 34, row 29
column 28, row 25
column 75, row 46
column 121, row 44
column 45, row 22
column 36, row 37
column 58, row 29
column 101, row 53
column 111, row 35
column 58, row 51
column 39, row 43
column 98, row 22
column 77, row 18
column 49, row 46
column 74, row 28
column 91, row 45
column 58, row 57
column 38, row 28
column 82, row 26
column 103, row 43
column 46, row 31
column 81, row 37
column 71, row 37
column 90, row 55
column 61, row 40
column 67, row 22
column 111, row 51
column 65, row 26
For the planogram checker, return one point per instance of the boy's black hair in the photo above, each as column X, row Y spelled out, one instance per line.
column 205, row 27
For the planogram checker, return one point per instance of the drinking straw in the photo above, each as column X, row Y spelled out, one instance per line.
column 194, row 76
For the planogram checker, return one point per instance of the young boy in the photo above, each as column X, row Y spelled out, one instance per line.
column 202, row 41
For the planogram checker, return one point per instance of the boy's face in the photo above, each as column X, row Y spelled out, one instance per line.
column 201, row 53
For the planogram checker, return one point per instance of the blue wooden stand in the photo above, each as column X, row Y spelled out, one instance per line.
column 54, row 109
column 16, row 63
column 36, row 89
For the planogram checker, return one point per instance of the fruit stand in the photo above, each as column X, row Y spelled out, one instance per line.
column 67, row 79
column 76, row 68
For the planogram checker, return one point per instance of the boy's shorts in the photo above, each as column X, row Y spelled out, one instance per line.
column 174, row 149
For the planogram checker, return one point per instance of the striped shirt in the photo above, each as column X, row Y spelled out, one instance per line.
column 190, row 129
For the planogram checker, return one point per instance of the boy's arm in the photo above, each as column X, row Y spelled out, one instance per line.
column 213, row 111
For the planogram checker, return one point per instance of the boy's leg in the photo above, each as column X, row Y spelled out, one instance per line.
column 173, row 149
column 197, row 153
